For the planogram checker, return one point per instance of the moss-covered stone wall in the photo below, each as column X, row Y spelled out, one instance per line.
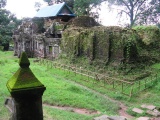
column 149, row 42
column 106, row 44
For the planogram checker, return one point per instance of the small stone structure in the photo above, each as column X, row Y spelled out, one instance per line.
column 41, row 36
column 26, row 38
column 26, row 92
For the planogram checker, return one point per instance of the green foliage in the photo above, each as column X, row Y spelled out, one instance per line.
column 84, row 7
column 3, row 3
column 148, row 34
column 139, row 12
column 131, row 46
column 100, row 43
column 7, row 23
column 149, row 43
column 69, row 2
column 108, row 44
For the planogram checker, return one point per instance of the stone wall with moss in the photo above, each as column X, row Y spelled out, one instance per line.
column 106, row 44
column 149, row 42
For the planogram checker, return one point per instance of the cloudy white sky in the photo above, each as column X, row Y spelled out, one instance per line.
column 25, row 8
column 22, row 8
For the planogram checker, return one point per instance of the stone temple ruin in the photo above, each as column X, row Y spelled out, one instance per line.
column 41, row 36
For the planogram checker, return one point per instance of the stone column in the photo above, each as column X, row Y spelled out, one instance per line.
column 26, row 91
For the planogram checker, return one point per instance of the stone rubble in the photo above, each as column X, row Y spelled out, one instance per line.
column 148, row 109
column 105, row 117
column 137, row 110
column 143, row 118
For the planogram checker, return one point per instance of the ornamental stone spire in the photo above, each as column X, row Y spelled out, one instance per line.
column 26, row 91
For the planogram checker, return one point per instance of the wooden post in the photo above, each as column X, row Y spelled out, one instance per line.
column 113, row 83
column 145, row 84
column 131, row 90
column 26, row 91
column 122, row 87
column 88, row 75
column 139, row 85
column 75, row 71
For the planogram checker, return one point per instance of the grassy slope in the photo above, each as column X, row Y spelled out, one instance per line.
column 8, row 66
column 59, row 92
column 149, row 96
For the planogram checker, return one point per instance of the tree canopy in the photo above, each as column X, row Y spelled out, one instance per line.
column 138, row 11
column 8, row 22
column 84, row 7
column 3, row 3
column 51, row 2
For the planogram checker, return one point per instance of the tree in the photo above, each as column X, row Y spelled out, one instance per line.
column 70, row 3
column 37, row 6
column 48, row 1
column 3, row 3
column 8, row 22
column 84, row 7
column 138, row 11
column 155, row 18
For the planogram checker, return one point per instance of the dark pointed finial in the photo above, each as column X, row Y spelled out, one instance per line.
column 23, row 61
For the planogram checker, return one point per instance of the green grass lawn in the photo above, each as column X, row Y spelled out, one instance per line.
column 59, row 92
column 64, row 88
column 149, row 96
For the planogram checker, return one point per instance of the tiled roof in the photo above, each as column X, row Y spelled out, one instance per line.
column 53, row 10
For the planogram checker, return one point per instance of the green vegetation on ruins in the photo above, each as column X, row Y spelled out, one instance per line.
column 128, row 51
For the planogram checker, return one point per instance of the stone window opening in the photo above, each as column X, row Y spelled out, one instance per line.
column 50, row 49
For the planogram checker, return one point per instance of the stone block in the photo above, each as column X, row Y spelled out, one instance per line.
column 137, row 110
column 150, row 107
column 143, row 118
column 9, row 104
column 156, row 111
column 117, row 118
column 103, row 117
column 153, row 113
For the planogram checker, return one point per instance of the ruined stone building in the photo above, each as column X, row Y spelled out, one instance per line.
column 41, row 35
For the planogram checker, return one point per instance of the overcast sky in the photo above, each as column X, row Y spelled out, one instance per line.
column 22, row 8
column 25, row 8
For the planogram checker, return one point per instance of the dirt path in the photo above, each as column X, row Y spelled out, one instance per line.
column 76, row 110
column 122, row 110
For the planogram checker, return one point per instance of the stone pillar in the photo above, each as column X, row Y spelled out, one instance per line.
column 26, row 91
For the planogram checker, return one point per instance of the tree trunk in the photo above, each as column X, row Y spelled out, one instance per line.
column 131, row 17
